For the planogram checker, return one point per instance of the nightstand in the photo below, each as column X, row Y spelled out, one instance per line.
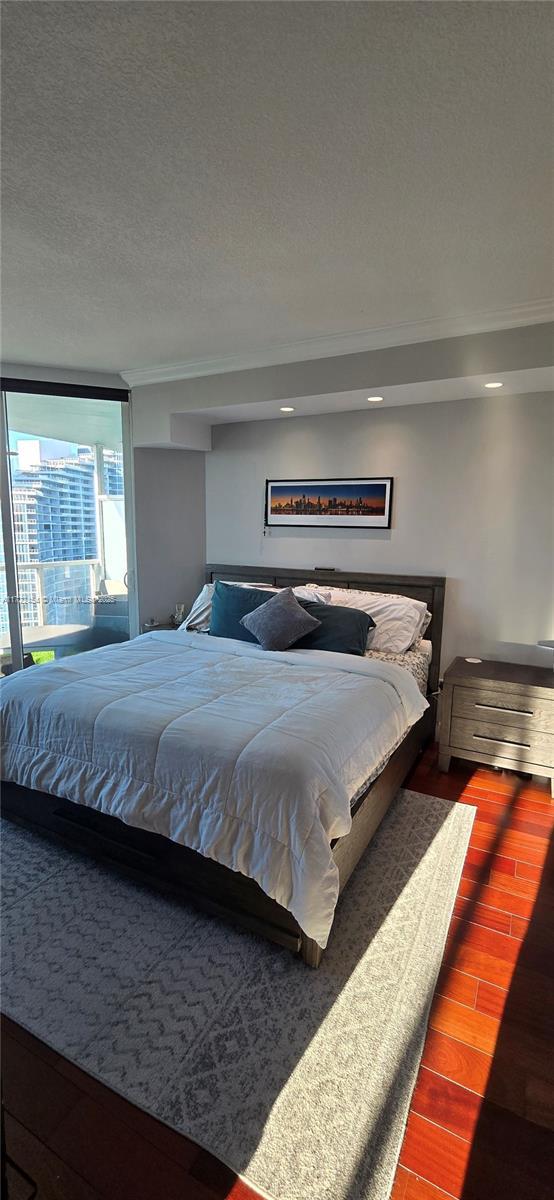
column 146, row 627
column 498, row 713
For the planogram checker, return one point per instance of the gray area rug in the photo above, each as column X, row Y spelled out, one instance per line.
column 300, row 1080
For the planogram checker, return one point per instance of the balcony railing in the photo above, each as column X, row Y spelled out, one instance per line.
column 62, row 604
column 47, row 600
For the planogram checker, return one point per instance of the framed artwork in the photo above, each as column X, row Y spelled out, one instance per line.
column 329, row 503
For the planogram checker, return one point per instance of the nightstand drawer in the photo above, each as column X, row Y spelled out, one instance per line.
column 507, row 708
column 509, row 742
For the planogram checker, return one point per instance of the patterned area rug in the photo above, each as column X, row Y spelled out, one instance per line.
column 300, row 1080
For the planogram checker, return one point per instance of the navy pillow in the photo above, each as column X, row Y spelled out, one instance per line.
column 229, row 605
column 342, row 630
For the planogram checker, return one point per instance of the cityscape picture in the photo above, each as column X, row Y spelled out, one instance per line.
column 342, row 503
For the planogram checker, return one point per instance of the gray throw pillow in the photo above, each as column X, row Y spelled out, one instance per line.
column 279, row 622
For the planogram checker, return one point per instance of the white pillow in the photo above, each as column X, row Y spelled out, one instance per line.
column 199, row 616
column 198, row 619
column 399, row 620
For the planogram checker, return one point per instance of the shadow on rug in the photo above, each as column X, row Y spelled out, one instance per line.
column 300, row 1080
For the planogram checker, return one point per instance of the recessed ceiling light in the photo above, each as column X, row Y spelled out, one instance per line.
column 494, row 385
column 374, row 399
column 286, row 408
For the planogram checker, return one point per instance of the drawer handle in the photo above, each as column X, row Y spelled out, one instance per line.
column 524, row 712
column 481, row 737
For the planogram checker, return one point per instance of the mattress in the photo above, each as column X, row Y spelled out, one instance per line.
column 417, row 661
column 248, row 757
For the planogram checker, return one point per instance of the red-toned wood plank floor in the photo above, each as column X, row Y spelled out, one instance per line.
column 482, row 1115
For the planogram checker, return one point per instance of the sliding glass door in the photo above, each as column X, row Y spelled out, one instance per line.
column 66, row 461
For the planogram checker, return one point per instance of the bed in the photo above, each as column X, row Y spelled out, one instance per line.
column 249, row 783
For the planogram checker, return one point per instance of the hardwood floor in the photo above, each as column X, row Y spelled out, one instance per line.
column 482, row 1116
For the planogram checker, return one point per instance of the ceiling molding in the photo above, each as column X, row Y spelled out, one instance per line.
column 530, row 313
column 63, row 375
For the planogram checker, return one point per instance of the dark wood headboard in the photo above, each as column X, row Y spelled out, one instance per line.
column 430, row 588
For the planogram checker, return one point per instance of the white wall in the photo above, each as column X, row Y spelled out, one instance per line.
column 170, row 529
column 473, row 501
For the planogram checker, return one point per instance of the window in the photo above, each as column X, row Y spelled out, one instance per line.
column 68, row 523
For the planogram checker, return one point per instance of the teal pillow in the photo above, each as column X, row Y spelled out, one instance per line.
column 229, row 605
column 342, row 630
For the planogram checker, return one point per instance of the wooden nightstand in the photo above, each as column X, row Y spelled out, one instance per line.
column 498, row 713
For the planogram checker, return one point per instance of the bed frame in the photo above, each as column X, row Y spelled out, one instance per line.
column 153, row 859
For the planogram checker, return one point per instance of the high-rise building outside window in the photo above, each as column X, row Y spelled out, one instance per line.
column 68, row 523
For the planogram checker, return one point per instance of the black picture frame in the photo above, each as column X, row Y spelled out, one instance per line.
column 300, row 520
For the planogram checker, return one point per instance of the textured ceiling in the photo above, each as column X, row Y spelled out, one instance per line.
column 186, row 181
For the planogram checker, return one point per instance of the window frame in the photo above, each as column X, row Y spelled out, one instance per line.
column 73, row 391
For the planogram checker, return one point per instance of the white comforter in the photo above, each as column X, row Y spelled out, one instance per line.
column 250, row 758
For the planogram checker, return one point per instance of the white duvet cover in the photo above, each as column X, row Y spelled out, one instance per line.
column 249, row 757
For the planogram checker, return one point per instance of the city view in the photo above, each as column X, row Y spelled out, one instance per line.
column 61, row 494
column 336, row 500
